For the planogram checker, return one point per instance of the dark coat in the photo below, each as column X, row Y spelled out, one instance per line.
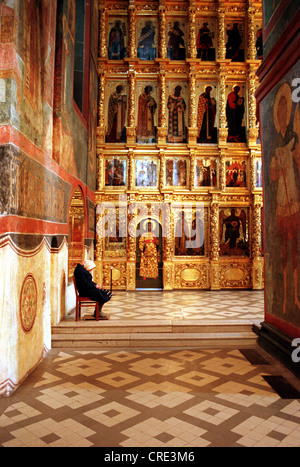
column 87, row 288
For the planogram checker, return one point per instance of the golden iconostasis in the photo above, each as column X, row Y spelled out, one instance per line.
column 179, row 195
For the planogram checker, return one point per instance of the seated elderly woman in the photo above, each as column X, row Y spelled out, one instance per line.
column 87, row 288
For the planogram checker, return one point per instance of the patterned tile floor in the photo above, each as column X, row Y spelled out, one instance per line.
column 187, row 304
column 167, row 398
column 183, row 398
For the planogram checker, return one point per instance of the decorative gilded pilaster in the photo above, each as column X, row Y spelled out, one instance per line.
column 251, row 32
column 130, row 130
column 252, row 170
column 101, row 97
column 131, row 170
column 131, row 50
column 162, row 52
column 192, row 169
column 214, row 248
column 162, row 170
column 257, row 260
column 222, row 170
column 253, row 126
column 167, row 232
column 131, row 247
column 192, row 50
column 223, row 131
column 221, row 31
column 192, row 130
column 102, row 39
column 162, row 120
column 100, row 242
column 100, row 171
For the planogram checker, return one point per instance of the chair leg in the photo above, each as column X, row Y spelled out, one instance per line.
column 97, row 311
column 77, row 313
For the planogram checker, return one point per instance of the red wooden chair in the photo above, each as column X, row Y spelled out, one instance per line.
column 84, row 302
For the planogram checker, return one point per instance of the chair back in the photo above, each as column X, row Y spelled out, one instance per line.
column 75, row 287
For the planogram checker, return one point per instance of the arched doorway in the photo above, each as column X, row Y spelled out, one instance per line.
column 76, row 230
column 149, row 255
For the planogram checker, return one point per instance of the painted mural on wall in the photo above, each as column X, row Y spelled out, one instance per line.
column 281, row 136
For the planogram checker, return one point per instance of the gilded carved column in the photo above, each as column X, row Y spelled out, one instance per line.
column 130, row 130
column 162, row 170
column 192, row 104
column 131, row 246
column 100, row 242
column 162, row 120
column 192, row 169
column 221, row 31
column 101, row 97
column 131, row 170
column 100, row 171
column 131, row 50
column 162, row 52
column 257, row 260
column 253, row 126
column 192, row 50
column 167, row 231
column 214, row 247
column 251, row 32
column 222, row 170
column 102, row 39
column 223, row 132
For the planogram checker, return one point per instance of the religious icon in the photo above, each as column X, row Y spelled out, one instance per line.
column 116, row 131
column 146, row 44
column 176, row 172
column 189, row 234
column 207, row 107
column 176, row 121
column 236, row 173
column 176, row 46
column 205, row 46
column 115, row 172
column 148, row 245
column 234, row 43
column 145, row 173
column 116, row 41
column 146, row 131
column 284, row 173
column 235, row 108
column 206, row 173
column 233, row 232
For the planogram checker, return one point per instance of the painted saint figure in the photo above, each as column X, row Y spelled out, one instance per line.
column 204, row 43
column 149, row 254
column 146, row 49
column 117, row 103
column 146, row 110
column 176, row 126
column 235, row 109
column 206, row 117
column 233, row 43
column 285, row 171
column 116, row 42
column 176, row 49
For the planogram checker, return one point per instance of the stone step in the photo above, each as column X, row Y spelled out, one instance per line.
column 158, row 326
column 152, row 340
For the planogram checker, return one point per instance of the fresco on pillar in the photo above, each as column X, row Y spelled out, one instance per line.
column 280, row 112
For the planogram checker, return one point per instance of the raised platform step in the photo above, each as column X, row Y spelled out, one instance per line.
column 143, row 334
